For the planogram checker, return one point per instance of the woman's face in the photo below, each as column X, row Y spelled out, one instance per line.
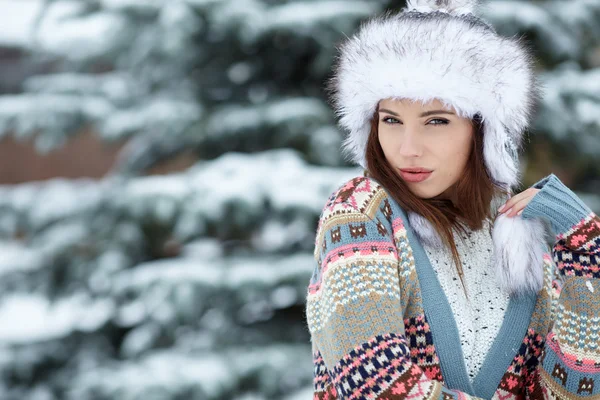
column 413, row 134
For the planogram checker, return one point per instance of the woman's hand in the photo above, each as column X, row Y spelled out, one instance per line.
column 516, row 204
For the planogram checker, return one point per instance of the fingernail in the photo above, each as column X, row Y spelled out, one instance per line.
column 519, row 213
column 501, row 207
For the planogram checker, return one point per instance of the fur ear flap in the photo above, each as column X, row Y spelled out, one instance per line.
column 455, row 7
column 424, row 230
column 518, row 253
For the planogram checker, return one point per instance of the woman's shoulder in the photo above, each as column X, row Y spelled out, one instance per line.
column 357, row 195
column 358, row 210
column 355, row 225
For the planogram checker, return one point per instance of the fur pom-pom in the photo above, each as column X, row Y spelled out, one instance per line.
column 518, row 254
column 455, row 7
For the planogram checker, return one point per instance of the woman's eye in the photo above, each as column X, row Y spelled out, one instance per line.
column 442, row 121
column 392, row 121
column 388, row 118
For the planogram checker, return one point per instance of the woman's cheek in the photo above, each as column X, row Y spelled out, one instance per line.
column 387, row 143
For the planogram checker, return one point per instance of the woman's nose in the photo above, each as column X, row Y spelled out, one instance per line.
column 410, row 144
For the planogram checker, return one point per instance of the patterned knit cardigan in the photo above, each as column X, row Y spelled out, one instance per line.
column 381, row 326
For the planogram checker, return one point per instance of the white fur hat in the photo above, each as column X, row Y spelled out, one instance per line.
column 440, row 49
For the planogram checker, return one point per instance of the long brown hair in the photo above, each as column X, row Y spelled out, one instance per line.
column 473, row 191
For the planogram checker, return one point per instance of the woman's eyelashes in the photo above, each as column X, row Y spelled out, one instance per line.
column 442, row 121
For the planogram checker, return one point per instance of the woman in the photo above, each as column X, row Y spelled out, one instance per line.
column 422, row 288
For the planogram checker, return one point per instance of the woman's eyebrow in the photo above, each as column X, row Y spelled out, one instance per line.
column 425, row 114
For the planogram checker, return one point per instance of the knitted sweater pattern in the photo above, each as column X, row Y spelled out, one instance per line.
column 382, row 327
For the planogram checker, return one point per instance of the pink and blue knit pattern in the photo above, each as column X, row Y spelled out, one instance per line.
column 368, row 320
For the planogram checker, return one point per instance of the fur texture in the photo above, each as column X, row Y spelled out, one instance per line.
column 458, row 59
column 423, row 228
column 519, row 246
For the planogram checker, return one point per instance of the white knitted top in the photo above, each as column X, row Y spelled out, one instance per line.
column 480, row 319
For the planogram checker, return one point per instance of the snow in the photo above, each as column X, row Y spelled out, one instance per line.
column 155, row 198
column 571, row 106
column 137, row 6
column 588, row 112
column 17, row 19
column 149, row 187
column 580, row 17
column 264, row 175
column 132, row 313
column 252, row 19
column 44, row 202
column 27, row 317
column 575, row 81
column 285, row 296
column 18, row 198
column 206, row 248
column 167, row 114
column 325, row 143
column 170, row 271
column 234, row 120
column 279, row 178
column 305, row 394
column 165, row 285
column 62, row 199
column 519, row 16
column 154, row 375
column 202, row 3
column 239, row 73
column 275, row 235
column 79, row 38
column 287, row 110
column 140, row 339
column 179, row 24
column 62, row 30
column 56, row 116
column 16, row 110
column 119, row 88
column 306, row 15
column 260, row 271
column 18, row 257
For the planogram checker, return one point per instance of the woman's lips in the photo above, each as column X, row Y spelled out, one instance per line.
column 415, row 177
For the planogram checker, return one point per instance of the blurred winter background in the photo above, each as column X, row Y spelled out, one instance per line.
column 163, row 164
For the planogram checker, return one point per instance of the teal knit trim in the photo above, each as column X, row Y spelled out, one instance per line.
column 443, row 328
column 445, row 335
column 506, row 345
column 556, row 203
